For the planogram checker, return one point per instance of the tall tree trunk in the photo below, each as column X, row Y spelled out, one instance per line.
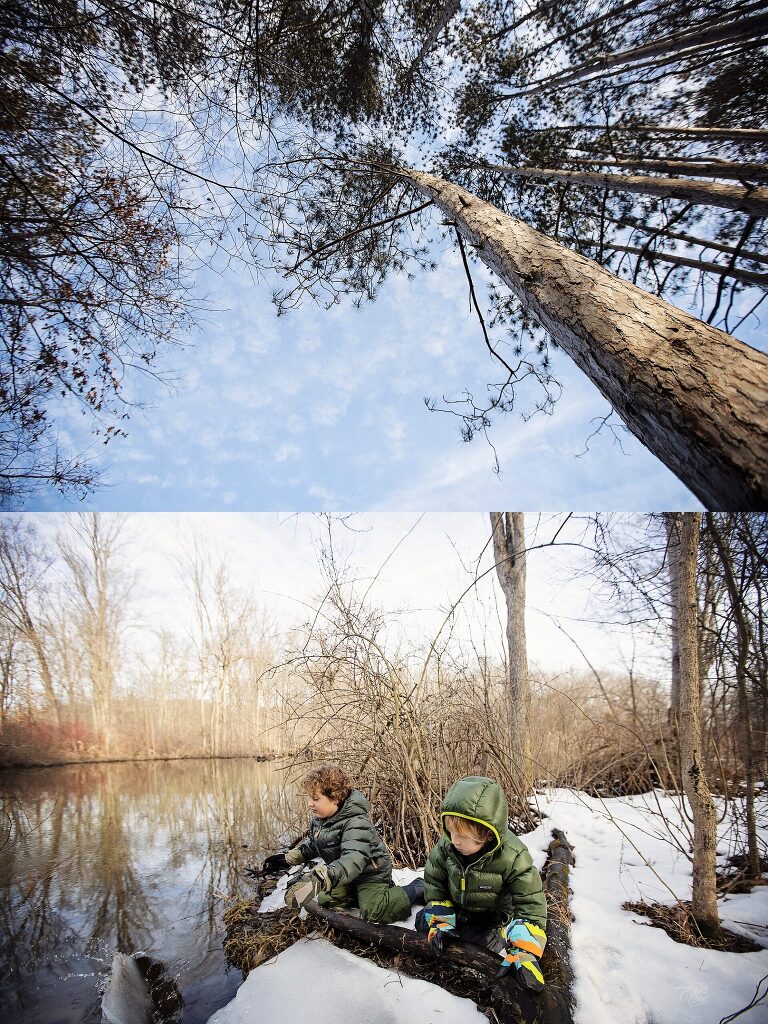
column 682, row 236
column 684, row 131
column 753, row 201
column 704, row 898
column 508, row 531
column 442, row 19
column 725, row 134
column 694, row 395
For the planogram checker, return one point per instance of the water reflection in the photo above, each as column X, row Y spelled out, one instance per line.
column 127, row 857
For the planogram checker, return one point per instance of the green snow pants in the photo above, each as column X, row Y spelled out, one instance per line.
column 378, row 902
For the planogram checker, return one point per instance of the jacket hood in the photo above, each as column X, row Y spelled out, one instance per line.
column 355, row 803
column 478, row 799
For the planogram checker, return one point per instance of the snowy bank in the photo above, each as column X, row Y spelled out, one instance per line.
column 624, row 969
column 626, row 850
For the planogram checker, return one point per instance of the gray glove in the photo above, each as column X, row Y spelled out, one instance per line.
column 308, row 886
column 294, row 857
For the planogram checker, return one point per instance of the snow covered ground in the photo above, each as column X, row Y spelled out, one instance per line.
column 626, row 972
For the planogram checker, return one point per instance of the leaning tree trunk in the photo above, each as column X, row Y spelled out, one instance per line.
column 750, row 277
column 702, row 168
column 753, row 201
column 508, row 529
column 692, row 394
column 674, row 47
column 442, row 18
column 704, row 898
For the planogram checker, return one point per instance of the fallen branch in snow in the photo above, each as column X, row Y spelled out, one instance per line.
column 511, row 1003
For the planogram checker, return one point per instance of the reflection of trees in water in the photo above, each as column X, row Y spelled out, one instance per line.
column 31, row 922
column 121, row 909
column 94, row 847
column 247, row 816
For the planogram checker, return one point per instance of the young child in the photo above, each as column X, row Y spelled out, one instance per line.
column 481, row 884
column 357, row 868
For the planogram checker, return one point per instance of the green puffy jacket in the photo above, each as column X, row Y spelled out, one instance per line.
column 349, row 844
column 500, row 880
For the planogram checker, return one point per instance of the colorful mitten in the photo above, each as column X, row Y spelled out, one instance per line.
column 441, row 918
column 308, row 886
column 525, row 943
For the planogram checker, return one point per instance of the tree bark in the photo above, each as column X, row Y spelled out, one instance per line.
column 704, row 896
column 694, row 395
column 508, row 531
column 753, row 201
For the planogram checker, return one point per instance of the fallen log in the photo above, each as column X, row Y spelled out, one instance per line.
column 511, row 1003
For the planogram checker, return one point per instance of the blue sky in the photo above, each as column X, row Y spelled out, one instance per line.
column 324, row 409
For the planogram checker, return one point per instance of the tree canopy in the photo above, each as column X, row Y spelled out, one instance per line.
column 284, row 133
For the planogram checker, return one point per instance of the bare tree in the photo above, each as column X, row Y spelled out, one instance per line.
column 744, row 645
column 508, row 531
column 704, row 898
column 673, row 561
column 98, row 591
column 23, row 567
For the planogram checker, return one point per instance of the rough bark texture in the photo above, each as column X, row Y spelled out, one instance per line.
column 704, row 895
column 694, row 395
column 753, row 201
column 508, row 530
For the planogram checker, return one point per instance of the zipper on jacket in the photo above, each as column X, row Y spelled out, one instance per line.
column 471, row 867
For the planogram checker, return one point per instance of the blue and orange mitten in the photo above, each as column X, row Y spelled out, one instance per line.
column 524, row 943
column 441, row 918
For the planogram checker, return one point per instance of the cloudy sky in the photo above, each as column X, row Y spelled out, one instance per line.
column 325, row 409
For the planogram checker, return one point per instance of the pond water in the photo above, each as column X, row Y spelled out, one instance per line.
column 127, row 857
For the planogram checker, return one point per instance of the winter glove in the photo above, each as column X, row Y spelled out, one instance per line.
column 275, row 863
column 279, row 862
column 525, row 943
column 441, row 918
column 308, row 886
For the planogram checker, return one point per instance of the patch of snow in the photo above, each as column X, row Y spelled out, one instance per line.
column 315, row 981
column 631, row 849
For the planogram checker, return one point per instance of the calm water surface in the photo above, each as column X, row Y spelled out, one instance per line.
column 97, row 859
